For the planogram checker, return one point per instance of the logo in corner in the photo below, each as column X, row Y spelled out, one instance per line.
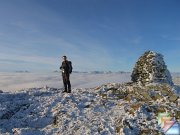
column 168, row 124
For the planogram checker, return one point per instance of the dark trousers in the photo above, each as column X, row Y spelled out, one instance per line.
column 66, row 82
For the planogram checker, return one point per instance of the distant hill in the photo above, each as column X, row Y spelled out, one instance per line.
column 22, row 71
column 95, row 72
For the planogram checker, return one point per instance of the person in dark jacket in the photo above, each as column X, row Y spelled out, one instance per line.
column 65, row 75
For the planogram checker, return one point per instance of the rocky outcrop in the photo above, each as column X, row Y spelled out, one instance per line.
column 151, row 68
column 142, row 106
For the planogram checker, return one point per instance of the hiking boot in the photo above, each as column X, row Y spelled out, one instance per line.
column 69, row 91
column 64, row 91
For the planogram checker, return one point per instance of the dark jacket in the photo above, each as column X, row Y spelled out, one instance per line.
column 65, row 67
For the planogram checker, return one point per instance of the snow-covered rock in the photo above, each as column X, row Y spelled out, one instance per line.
column 151, row 68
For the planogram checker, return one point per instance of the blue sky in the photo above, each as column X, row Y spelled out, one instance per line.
column 94, row 34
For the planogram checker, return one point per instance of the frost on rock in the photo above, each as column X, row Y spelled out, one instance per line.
column 151, row 68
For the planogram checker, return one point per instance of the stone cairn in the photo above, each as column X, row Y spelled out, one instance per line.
column 151, row 68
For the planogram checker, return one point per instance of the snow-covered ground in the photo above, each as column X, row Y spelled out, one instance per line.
column 49, row 111
column 108, row 109
column 18, row 81
column 104, row 110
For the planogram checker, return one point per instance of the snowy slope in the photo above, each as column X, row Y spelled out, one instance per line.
column 108, row 109
column 48, row 111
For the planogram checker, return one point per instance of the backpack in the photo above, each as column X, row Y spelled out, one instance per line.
column 70, row 66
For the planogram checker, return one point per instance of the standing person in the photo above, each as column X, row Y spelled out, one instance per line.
column 66, row 69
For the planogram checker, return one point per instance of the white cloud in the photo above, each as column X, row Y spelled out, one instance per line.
column 9, row 81
column 134, row 40
column 172, row 38
column 35, row 59
column 85, row 55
